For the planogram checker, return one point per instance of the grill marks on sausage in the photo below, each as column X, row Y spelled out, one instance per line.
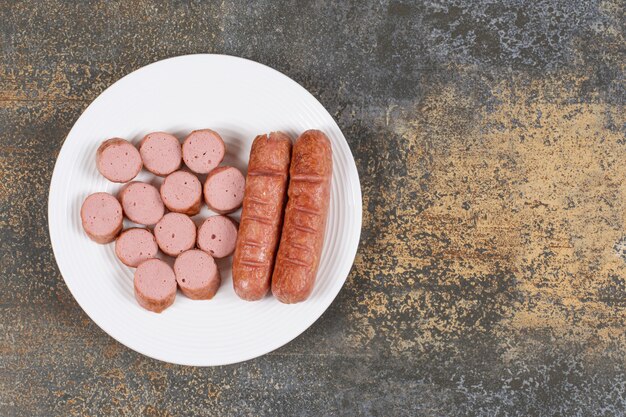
column 253, row 244
column 258, row 200
column 267, row 173
column 307, row 210
column 262, row 220
column 300, row 246
column 298, row 262
column 316, row 179
column 305, row 229
column 253, row 263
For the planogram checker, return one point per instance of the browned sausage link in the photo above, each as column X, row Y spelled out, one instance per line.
column 262, row 214
column 305, row 218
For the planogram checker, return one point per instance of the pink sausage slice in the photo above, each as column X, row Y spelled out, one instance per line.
column 101, row 215
column 160, row 153
column 141, row 203
column 217, row 236
column 197, row 274
column 155, row 285
column 118, row 160
column 223, row 189
column 182, row 192
column 203, row 150
column 135, row 245
column 175, row 233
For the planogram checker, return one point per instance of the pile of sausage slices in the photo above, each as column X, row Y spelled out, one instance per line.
column 277, row 244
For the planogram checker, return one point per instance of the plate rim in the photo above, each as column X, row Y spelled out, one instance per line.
column 358, row 214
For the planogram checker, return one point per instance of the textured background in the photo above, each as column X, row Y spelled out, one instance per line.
column 491, row 144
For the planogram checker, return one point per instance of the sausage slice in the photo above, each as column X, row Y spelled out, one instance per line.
column 135, row 245
column 223, row 189
column 101, row 215
column 141, row 203
column 182, row 192
column 217, row 236
column 197, row 274
column 118, row 160
column 155, row 285
column 161, row 153
column 175, row 233
column 203, row 150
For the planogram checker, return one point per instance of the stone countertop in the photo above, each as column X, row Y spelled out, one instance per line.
column 491, row 144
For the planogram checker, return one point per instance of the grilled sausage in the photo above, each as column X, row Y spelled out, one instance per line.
column 262, row 215
column 305, row 218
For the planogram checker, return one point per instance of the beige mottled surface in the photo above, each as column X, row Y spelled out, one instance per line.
column 491, row 143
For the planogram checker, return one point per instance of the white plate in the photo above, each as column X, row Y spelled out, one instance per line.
column 239, row 99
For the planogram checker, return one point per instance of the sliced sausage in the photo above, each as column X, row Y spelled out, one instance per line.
column 223, row 189
column 155, row 285
column 118, row 160
column 141, row 203
column 217, row 236
column 305, row 218
column 182, row 192
column 197, row 274
column 135, row 245
column 102, row 218
column 262, row 215
column 161, row 153
column 175, row 233
column 203, row 150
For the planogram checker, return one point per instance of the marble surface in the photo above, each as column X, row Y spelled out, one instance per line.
column 490, row 138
